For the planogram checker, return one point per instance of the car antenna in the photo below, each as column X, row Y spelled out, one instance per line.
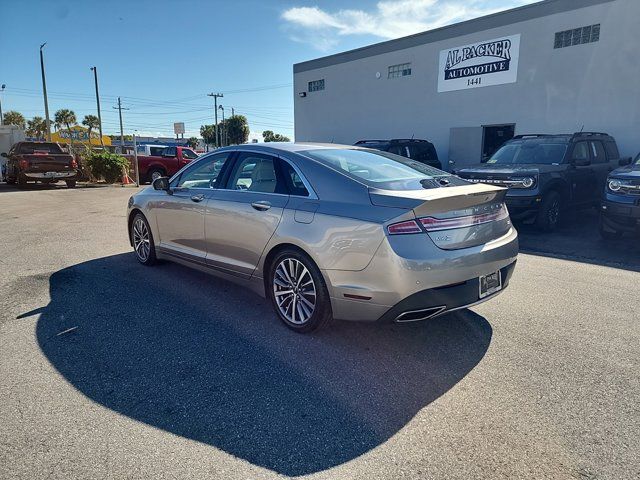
column 581, row 130
column 413, row 135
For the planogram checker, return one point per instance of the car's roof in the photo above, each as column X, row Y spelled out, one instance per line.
column 288, row 146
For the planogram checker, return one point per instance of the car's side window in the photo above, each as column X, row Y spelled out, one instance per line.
column 189, row 154
column 580, row 151
column 612, row 150
column 421, row 153
column 398, row 150
column 598, row 153
column 170, row 151
column 295, row 185
column 255, row 172
column 203, row 174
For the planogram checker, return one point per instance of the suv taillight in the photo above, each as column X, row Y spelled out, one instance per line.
column 24, row 164
column 73, row 163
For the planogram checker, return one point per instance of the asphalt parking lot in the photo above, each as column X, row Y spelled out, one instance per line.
column 109, row 369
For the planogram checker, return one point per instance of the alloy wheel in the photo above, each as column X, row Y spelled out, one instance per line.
column 155, row 175
column 294, row 291
column 554, row 212
column 141, row 241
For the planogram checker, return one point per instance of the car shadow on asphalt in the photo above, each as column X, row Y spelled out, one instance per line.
column 578, row 239
column 207, row 360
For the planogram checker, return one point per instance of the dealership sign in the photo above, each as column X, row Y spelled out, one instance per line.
column 481, row 64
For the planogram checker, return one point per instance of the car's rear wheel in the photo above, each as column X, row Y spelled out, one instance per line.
column 548, row 217
column 155, row 174
column 298, row 292
column 142, row 239
column 71, row 183
column 22, row 181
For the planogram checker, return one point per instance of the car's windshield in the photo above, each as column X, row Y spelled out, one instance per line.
column 530, row 151
column 377, row 169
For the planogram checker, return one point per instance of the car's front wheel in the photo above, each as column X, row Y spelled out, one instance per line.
column 142, row 240
column 550, row 211
column 298, row 292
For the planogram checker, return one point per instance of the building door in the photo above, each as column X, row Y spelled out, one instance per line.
column 493, row 136
column 465, row 147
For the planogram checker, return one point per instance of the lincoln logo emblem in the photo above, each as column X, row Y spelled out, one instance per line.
column 499, row 52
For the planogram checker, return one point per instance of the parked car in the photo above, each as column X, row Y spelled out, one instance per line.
column 168, row 163
column 620, row 209
column 150, row 150
column 546, row 174
column 44, row 162
column 331, row 231
column 420, row 150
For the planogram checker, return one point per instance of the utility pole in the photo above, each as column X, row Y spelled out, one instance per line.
column 1, row 90
column 223, row 134
column 233, row 112
column 95, row 78
column 44, row 91
column 215, row 111
column 120, row 108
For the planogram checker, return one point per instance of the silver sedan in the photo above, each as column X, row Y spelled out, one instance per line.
column 331, row 231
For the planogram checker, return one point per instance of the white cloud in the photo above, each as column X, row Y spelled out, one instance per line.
column 389, row 19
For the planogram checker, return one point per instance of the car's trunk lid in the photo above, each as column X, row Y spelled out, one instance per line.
column 453, row 217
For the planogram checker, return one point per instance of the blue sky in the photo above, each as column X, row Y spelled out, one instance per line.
column 163, row 57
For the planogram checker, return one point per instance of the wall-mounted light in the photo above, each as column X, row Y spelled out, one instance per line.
column 302, row 94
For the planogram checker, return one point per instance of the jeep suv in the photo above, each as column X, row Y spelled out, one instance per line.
column 546, row 174
column 620, row 209
column 420, row 150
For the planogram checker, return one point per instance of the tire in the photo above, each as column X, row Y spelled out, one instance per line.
column 609, row 234
column 145, row 251
column 11, row 180
column 154, row 174
column 22, row 181
column 71, row 183
column 548, row 217
column 308, row 306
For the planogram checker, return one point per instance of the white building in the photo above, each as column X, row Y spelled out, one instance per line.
column 555, row 66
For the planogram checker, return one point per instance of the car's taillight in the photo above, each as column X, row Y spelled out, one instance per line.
column 73, row 163
column 24, row 164
column 403, row 228
column 431, row 224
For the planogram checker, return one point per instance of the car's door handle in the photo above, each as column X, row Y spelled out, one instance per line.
column 197, row 198
column 262, row 205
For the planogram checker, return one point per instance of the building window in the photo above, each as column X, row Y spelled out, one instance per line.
column 577, row 36
column 316, row 85
column 401, row 70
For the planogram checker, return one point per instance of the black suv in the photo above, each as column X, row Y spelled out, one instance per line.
column 546, row 174
column 420, row 150
column 620, row 209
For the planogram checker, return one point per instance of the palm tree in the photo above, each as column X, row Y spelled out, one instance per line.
column 36, row 127
column 91, row 122
column 14, row 118
column 67, row 118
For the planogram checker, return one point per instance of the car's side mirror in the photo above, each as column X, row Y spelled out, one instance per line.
column 581, row 162
column 4, row 154
column 623, row 162
column 162, row 183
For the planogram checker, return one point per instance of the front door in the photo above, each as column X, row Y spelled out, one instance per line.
column 242, row 218
column 180, row 215
column 583, row 178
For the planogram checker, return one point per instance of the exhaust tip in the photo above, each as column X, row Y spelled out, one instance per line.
column 422, row 314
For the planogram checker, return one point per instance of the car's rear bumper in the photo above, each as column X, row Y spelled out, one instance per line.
column 624, row 217
column 391, row 284
column 50, row 175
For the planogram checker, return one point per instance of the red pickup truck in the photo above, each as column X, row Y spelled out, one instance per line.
column 165, row 165
column 44, row 162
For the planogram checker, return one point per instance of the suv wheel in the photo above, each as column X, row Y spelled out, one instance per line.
column 22, row 181
column 143, row 244
column 71, row 183
column 298, row 292
column 549, row 214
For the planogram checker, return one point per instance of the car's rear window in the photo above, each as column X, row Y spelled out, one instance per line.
column 375, row 168
column 31, row 147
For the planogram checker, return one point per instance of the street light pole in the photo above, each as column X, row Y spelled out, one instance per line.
column 95, row 78
column 215, row 111
column 1, row 90
column 44, row 92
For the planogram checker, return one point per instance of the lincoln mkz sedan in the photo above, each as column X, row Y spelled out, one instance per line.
column 331, row 231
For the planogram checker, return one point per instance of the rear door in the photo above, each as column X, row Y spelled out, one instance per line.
column 180, row 215
column 242, row 218
column 601, row 167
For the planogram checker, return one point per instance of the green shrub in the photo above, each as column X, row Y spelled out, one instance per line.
column 107, row 166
